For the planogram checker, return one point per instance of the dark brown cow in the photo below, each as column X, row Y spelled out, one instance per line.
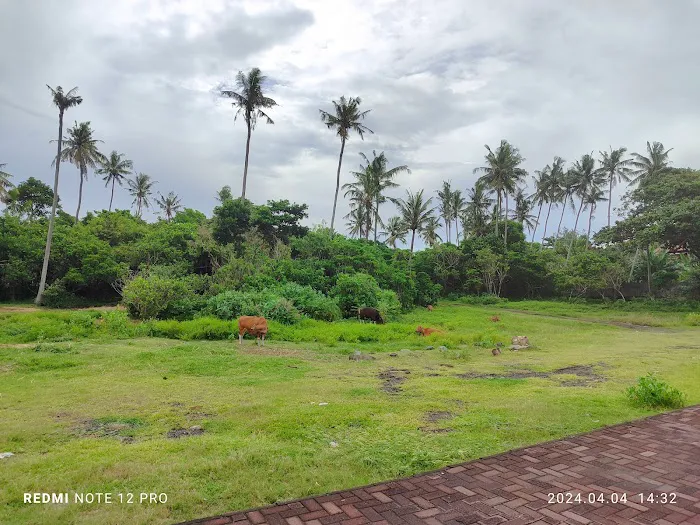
column 430, row 307
column 248, row 324
column 371, row 314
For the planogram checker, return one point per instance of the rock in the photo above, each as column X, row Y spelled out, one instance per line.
column 359, row 356
column 520, row 340
column 196, row 429
column 429, row 347
column 499, row 345
column 393, row 354
column 322, row 404
column 442, row 348
column 496, row 351
column 334, row 444
column 5, row 455
column 515, row 348
column 405, row 351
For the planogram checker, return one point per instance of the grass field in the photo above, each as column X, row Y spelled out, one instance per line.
column 99, row 413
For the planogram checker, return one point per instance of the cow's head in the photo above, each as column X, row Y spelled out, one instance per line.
column 420, row 330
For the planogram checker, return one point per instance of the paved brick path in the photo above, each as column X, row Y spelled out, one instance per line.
column 656, row 455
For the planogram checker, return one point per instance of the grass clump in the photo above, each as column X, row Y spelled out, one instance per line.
column 652, row 392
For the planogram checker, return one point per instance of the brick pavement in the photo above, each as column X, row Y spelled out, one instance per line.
column 657, row 455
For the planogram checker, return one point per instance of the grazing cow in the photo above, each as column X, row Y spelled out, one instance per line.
column 495, row 319
column 371, row 314
column 427, row 331
column 430, row 307
column 252, row 325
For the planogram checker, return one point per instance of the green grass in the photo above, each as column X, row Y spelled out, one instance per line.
column 89, row 407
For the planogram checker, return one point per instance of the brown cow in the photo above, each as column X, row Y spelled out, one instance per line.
column 495, row 319
column 427, row 331
column 248, row 324
column 430, row 307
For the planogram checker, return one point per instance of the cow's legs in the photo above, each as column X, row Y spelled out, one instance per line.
column 240, row 338
column 263, row 339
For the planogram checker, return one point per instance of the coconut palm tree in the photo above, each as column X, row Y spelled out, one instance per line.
column 170, row 205
column 521, row 213
column 615, row 168
column 357, row 221
column 395, row 231
column 347, row 118
column 539, row 197
column 656, row 163
column 115, row 169
column 415, row 212
column 140, row 189
column 429, row 233
column 553, row 189
column 476, row 212
column 501, row 175
column 586, row 180
column 63, row 101
column 457, row 205
column 80, row 149
column 5, row 184
column 591, row 199
column 566, row 187
column 362, row 197
column 250, row 102
column 383, row 180
column 445, row 206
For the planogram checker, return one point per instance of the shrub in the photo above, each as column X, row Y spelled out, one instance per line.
column 149, row 298
column 232, row 304
column 185, row 308
column 482, row 300
column 310, row 302
column 692, row 319
column 652, row 392
column 427, row 292
column 57, row 295
column 389, row 305
column 117, row 324
column 281, row 310
column 355, row 291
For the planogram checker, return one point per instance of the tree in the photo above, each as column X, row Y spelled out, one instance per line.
column 501, row 175
column 476, row 211
column 415, row 213
column 552, row 190
column 651, row 166
column 5, row 184
column 250, row 101
column 170, row 205
column 362, row 198
column 115, row 169
column 395, row 231
column 445, row 206
column 62, row 101
column 542, row 181
column 521, row 213
column 224, row 194
column 591, row 199
column 429, row 233
column 586, row 181
column 382, row 179
column 494, row 269
column 357, row 221
column 81, row 150
column 32, row 198
column 347, row 118
column 565, row 189
column 615, row 168
column 458, row 204
column 140, row 188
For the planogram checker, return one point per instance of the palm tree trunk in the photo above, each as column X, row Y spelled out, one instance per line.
column 337, row 182
column 245, row 167
column 544, row 235
column 574, row 234
column 649, row 270
column 580, row 207
column 112, row 197
column 376, row 217
column 413, row 238
column 505, row 230
column 634, row 263
column 456, row 231
column 447, row 228
column 80, row 193
column 537, row 223
column 498, row 211
column 610, row 199
column 563, row 209
column 49, row 236
column 590, row 218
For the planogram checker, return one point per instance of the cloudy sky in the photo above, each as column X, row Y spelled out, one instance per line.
column 442, row 78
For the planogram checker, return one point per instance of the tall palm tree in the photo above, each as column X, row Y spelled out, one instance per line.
column 586, row 181
column 357, row 221
column 591, row 199
column 458, row 204
column 565, row 194
column 430, row 231
column 395, row 231
column 477, row 210
column 383, row 180
column 656, row 163
column 170, row 205
column 362, row 197
column 62, row 101
column 521, row 212
column 539, row 197
column 615, row 168
column 445, row 206
column 415, row 213
column 553, row 189
column 250, row 101
column 140, row 188
column 5, row 184
column 81, row 150
column 347, row 118
column 502, row 174
column 115, row 169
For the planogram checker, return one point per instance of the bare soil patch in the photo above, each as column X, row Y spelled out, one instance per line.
column 429, row 430
column 392, row 380
column 178, row 433
column 621, row 324
column 432, row 417
column 586, row 375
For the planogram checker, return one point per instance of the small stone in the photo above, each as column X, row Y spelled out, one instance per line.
column 334, row 444
column 196, row 428
column 515, row 348
column 442, row 348
column 393, row 354
column 322, row 404
column 5, row 455
column 359, row 356
column 429, row 347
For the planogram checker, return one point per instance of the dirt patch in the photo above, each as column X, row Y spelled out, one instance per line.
column 392, row 380
column 178, row 433
column 684, row 347
column 621, row 324
column 577, row 370
column 446, row 365
column 586, row 375
column 6, row 367
column 277, row 352
column 519, row 374
column 429, row 430
column 432, row 417
column 98, row 428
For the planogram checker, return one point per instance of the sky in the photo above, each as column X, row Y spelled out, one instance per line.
column 441, row 78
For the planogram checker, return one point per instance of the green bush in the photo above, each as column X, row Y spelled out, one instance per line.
column 151, row 297
column 482, row 300
column 281, row 310
column 652, row 392
column 232, row 304
column 427, row 292
column 389, row 305
column 355, row 291
column 311, row 303
column 57, row 295
column 692, row 319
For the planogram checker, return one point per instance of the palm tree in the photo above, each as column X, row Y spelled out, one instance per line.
column 115, row 169
column 615, row 169
column 591, row 199
column 501, row 175
column 445, row 206
column 357, row 221
column 656, row 163
column 415, row 213
column 586, row 179
column 521, row 213
column 429, row 233
column 383, row 179
column 62, row 101
column 250, row 101
column 5, row 184
column 170, row 205
column 457, row 205
column 347, row 118
column 362, row 198
column 553, row 189
column 395, row 231
column 476, row 212
column 81, row 150
column 140, row 189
